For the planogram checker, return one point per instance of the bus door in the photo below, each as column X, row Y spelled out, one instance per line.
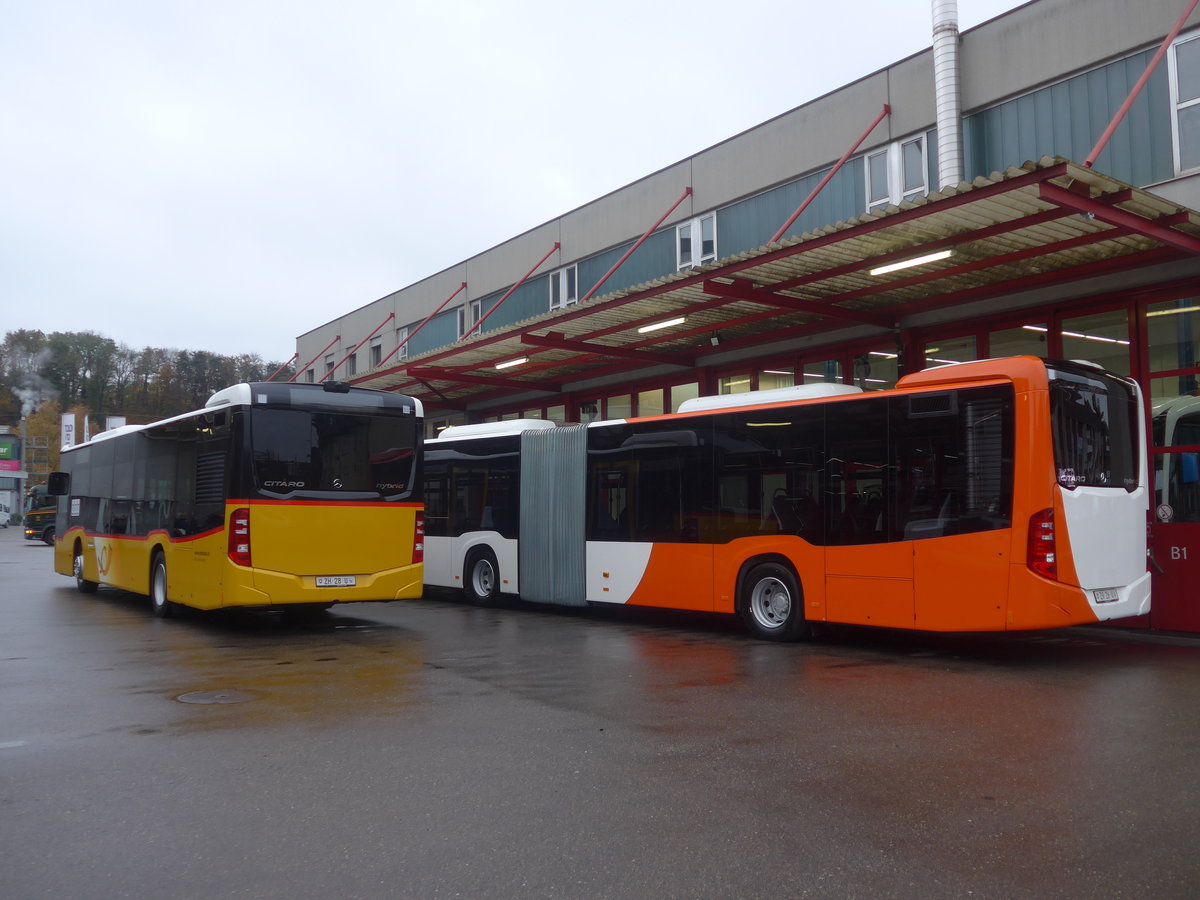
column 868, row 574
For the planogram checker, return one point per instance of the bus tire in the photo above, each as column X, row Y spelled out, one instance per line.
column 48, row 535
column 81, row 584
column 481, row 577
column 772, row 604
column 163, row 608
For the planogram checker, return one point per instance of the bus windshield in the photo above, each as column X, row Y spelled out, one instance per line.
column 1093, row 418
column 319, row 455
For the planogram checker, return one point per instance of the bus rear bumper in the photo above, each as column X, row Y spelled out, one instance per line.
column 1132, row 600
column 281, row 589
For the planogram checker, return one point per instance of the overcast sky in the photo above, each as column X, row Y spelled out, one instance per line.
column 228, row 174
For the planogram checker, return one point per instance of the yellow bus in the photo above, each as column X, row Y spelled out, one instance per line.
column 274, row 496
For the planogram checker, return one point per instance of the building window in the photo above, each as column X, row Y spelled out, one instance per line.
column 564, row 287
column 1185, row 99
column 1102, row 338
column 876, row 370
column 351, row 365
column 650, row 403
column 949, row 351
column 682, row 392
column 734, row 384
column 310, row 376
column 896, row 173
column 828, row 371
column 376, row 352
column 402, row 342
column 696, row 242
column 469, row 315
column 780, row 377
column 329, row 361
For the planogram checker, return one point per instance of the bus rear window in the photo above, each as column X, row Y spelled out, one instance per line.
column 332, row 455
column 1093, row 416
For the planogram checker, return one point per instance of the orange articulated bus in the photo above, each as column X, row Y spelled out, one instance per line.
column 273, row 495
column 985, row 496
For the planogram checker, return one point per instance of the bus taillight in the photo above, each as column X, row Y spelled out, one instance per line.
column 1041, row 557
column 239, row 536
column 418, row 554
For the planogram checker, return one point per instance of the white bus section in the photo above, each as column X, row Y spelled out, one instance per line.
column 446, row 556
column 1099, row 521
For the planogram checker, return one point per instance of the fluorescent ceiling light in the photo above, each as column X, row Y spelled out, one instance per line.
column 513, row 362
column 1079, row 335
column 915, row 261
column 669, row 323
column 1172, row 312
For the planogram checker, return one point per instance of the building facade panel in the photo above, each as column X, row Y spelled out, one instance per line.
column 627, row 212
column 792, row 144
column 1044, row 40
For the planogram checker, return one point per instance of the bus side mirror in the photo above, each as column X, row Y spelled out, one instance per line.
column 58, row 484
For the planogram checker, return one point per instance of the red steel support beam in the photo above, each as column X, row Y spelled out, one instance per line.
column 1121, row 218
column 434, row 373
column 687, row 192
column 329, row 374
column 336, row 338
column 462, row 287
column 837, row 166
column 1137, row 88
column 284, row 366
column 509, row 292
column 554, row 341
column 741, row 289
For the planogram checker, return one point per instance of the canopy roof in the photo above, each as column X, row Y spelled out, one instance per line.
column 1041, row 225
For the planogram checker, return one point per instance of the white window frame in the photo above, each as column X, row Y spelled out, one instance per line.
column 330, row 361
column 401, row 337
column 376, row 352
column 1178, row 106
column 310, row 376
column 694, row 232
column 564, row 287
column 893, row 155
column 476, row 313
column 351, row 364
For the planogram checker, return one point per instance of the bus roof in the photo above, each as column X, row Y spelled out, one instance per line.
column 493, row 429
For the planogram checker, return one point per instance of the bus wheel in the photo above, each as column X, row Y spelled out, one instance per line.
column 481, row 578
column 163, row 608
column 48, row 535
column 81, row 584
column 772, row 604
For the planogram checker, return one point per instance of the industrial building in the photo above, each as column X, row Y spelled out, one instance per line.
column 1025, row 186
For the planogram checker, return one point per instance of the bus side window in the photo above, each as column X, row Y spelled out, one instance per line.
column 857, row 489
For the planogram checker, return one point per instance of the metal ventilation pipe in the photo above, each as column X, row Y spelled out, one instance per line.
column 947, row 93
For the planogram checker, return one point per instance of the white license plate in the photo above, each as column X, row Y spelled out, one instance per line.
column 336, row 581
column 1106, row 595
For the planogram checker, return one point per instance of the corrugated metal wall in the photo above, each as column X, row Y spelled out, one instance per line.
column 1067, row 118
column 751, row 222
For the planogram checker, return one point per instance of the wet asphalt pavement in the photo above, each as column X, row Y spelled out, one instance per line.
column 432, row 749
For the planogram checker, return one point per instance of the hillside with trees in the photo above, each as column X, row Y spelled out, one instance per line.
column 93, row 375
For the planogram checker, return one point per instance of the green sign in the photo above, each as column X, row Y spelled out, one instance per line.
column 8, row 447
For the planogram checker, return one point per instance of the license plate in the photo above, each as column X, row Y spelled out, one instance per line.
column 1106, row 595
column 336, row 581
